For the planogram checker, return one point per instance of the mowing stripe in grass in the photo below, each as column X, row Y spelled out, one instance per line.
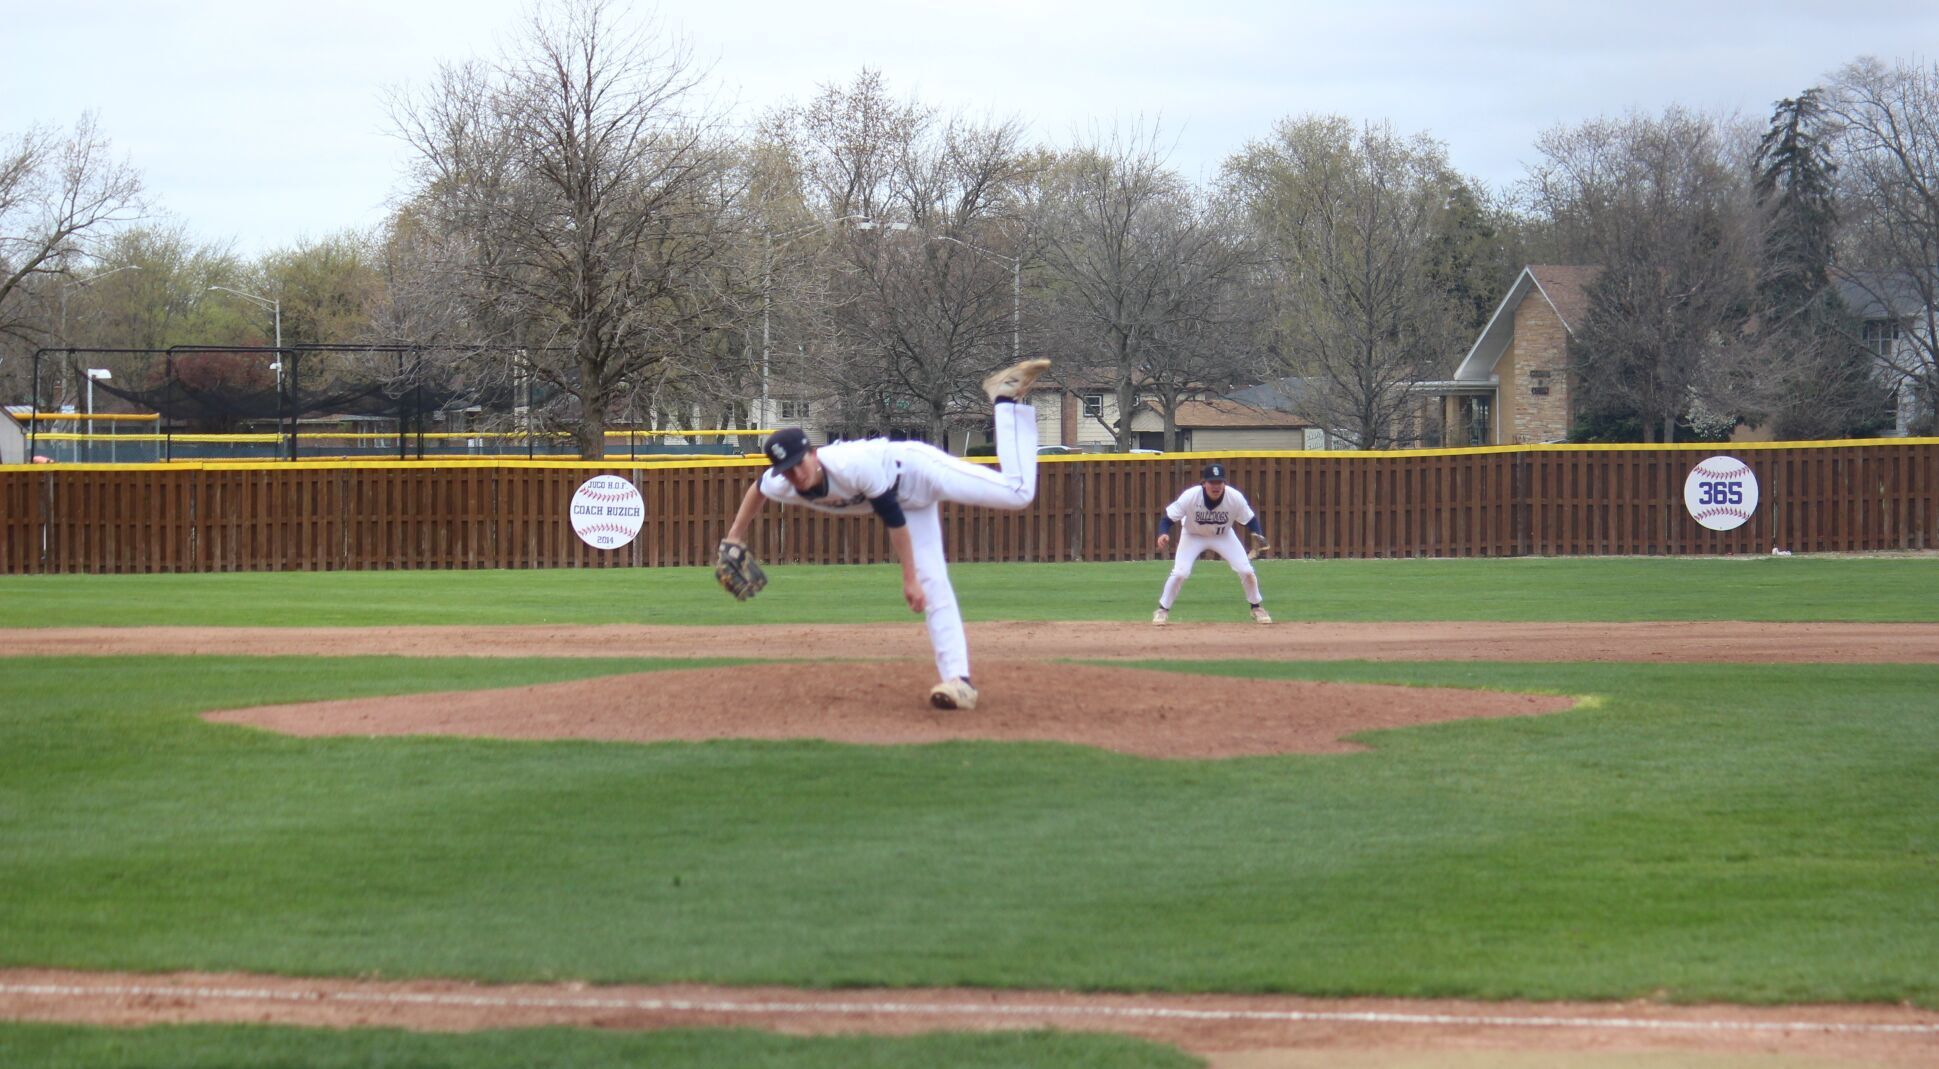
column 50, row 1046
column 1625, row 588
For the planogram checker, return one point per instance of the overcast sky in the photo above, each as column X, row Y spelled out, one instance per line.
column 264, row 123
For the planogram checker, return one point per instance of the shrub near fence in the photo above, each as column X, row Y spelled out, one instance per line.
column 1490, row 502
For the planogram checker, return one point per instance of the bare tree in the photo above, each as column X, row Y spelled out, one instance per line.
column 926, row 268
column 576, row 191
column 1665, row 206
column 1349, row 218
column 1209, row 347
column 1140, row 265
column 1889, row 155
column 766, row 280
column 56, row 191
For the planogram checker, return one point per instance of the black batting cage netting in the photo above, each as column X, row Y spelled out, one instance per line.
column 200, row 392
column 262, row 402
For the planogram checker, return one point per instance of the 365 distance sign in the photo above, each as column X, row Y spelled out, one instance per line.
column 1721, row 493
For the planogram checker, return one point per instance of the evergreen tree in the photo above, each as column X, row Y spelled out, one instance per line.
column 1827, row 388
column 1470, row 257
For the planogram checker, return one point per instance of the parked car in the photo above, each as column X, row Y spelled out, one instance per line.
column 1057, row 450
column 1147, row 452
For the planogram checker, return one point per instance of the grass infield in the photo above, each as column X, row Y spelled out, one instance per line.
column 1789, row 588
column 1736, row 833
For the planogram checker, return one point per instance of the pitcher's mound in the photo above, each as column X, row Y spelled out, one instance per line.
column 1131, row 710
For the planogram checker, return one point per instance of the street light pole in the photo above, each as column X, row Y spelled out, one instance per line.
column 1016, row 309
column 767, row 307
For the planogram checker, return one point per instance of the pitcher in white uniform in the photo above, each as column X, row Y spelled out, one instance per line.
column 905, row 483
column 1209, row 516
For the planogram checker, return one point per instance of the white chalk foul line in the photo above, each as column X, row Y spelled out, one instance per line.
column 926, row 1009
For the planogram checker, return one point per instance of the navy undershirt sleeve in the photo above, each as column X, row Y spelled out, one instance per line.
column 1253, row 525
column 1164, row 523
column 889, row 509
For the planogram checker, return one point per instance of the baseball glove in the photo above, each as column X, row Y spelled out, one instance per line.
column 1259, row 546
column 739, row 573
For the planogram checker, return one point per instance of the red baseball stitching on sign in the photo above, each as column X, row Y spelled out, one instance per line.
column 1723, row 512
column 606, row 528
column 623, row 495
column 1732, row 474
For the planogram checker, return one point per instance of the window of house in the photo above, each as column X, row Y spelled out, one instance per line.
column 1094, row 405
column 1881, row 336
column 794, row 410
column 1480, row 430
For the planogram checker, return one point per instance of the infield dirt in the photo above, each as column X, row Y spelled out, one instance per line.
column 1135, row 711
column 1743, row 642
column 1230, row 1031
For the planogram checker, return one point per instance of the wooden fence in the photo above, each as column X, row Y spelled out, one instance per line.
column 1499, row 502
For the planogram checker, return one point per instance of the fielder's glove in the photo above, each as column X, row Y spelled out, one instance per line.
column 1259, row 546
column 739, row 573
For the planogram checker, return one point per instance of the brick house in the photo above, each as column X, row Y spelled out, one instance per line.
column 1513, row 387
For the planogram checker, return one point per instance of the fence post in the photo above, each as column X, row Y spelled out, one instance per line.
column 1524, row 505
column 1077, row 513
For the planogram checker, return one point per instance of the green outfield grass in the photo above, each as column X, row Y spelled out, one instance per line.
column 1790, row 588
column 1698, row 832
column 204, row 1047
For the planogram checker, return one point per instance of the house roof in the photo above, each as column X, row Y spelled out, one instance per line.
column 1233, row 414
column 1566, row 289
column 1288, row 394
column 1880, row 294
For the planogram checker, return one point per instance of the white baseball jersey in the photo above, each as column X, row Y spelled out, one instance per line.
column 856, row 472
column 1207, row 527
column 923, row 478
column 1201, row 517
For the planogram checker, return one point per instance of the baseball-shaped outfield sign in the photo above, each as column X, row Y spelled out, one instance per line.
column 1721, row 493
column 607, row 511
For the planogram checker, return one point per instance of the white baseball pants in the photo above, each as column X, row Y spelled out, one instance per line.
column 1226, row 545
column 937, row 476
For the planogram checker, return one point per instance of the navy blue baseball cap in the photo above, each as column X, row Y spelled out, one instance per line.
column 1213, row 471
column 786, row 447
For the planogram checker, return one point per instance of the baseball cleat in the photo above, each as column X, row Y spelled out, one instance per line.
column 1158, row 618
column 1259, row 615
column 953, row 694
column 1014, row 381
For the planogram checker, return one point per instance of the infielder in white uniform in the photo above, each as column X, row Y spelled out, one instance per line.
column 905, row 483
column 1209, row 516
